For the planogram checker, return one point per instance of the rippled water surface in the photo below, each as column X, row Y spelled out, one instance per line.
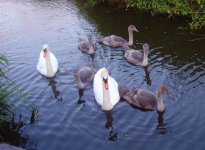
column 176, row 59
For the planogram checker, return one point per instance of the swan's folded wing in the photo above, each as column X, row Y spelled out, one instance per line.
column 146, row 100
column 54, row 62
column 117, row 38
column 137, row 55
column 116, row 41
column 83, row 46
column 97, row 87
column 113, row 91
column 41, row 66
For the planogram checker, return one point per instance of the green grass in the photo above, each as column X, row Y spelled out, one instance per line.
column 5, row 103
column 9, row 126
column 193, row 9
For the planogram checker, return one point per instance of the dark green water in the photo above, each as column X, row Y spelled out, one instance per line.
column 176, row 59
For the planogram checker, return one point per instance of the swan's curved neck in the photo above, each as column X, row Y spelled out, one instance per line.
column 106, row 99
column 145, row 58
column 91, row 48
column 50, row 71
column 130, row 37
column 160, row 102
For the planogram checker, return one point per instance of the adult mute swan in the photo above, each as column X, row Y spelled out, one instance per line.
column 117, row 41
column 86, row 46
column 136, row 57
column 105, row 90
column 144, row 99
column 47, row 64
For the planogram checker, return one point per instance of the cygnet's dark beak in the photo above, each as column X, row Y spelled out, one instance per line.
column 136, row 30
column 105, row 80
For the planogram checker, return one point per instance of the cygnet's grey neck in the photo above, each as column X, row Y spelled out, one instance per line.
column 130, row 37
column 145, row 58
column 160, row 102
column 91, row 48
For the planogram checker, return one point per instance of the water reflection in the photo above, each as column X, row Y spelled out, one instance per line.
column 34, row 115
column 92, row 58
column 109, row 119
column 147, row 75
column 162, row 127
column 11, row 129
column 80, row 101
column 56, row 93
column 160, row 119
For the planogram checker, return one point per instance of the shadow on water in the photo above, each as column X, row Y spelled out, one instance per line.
column 10, row 131
column 34, row 115
column 80, row 101
column 56, row 93
column 92, row 58
column 147, row 76
column 109, row 119
column 162, row 126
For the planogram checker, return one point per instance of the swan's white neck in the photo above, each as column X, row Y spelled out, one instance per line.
column 50, row 71
column 160, row 102
column 130, row 37
column 145, row 58
column 106, row 99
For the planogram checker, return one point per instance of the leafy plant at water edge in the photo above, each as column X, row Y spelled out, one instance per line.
column 193, row 9
column 9, row 128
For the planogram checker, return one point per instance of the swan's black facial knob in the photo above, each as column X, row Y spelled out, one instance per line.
column 105, row 80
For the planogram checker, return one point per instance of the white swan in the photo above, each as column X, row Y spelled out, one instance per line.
column 47, row 64
column 105, row 90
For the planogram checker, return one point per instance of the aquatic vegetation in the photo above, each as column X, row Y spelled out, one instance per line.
column 5, row 103
column 10, row 128
column 193, row 9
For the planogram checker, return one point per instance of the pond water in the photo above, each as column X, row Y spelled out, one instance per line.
column 176, row 59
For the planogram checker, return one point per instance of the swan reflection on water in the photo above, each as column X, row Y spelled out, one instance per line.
column 109, row 119
column 147, row 75
column 56, row 93
column 80, row 101
column 162, row 127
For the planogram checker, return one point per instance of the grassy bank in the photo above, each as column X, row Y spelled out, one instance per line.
column 10, row 123
column 193, row 9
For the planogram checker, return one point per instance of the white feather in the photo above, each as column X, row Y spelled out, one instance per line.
column 98, row 89
column 41, row 66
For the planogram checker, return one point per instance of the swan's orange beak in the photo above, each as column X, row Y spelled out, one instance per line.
column 45, row 53
column 106, row 83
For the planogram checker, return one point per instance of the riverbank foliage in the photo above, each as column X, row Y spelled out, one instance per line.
column 9, row 127
column 193, row 9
